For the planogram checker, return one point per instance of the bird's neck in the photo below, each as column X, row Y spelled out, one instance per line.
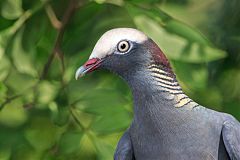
column 158, row 84
column 158, row 97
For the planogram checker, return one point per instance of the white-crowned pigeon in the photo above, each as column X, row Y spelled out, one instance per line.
column 167, row 124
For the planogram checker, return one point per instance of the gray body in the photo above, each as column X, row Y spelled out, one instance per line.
column 161, row 131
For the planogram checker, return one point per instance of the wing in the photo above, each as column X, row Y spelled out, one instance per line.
column 231, row 138
column 124, row 149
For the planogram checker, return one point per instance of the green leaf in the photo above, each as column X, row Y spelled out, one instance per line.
column 104, row 105
column 185, row 31
column 4, row 67
column 213, row 54
column 193, row 77
column 16, row 78
column 189, row 12
column 70, row 142
column 47, row 91
column 5, row 23
column 8, row 33
column 105, row 151
column 26, row 152
column 5, row 154
column 229, row 83
column 87, row 149
column 178, row 47
column 5, row 35
column 21, row 60
column 117, row 2
column 60, row 114
column 34, row 29
column 3, row 91
column 13, row 114
column 11, row 9
column 102, row 98
column 114, row 120
column 41, row 133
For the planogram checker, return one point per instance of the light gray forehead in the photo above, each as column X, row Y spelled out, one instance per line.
column 109, row 40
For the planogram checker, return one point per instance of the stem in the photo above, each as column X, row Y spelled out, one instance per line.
column 76, row 119
column 24, row 17
column 85, row 130
column 52, row 17
column 56, row 49
column 8, row 100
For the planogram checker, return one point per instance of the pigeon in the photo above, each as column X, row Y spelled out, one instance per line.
column 167, row 124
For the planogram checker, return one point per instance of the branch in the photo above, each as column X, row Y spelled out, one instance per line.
column 52, row 17
column 76, row 119
column 56, row 49
column 84, row 129
column 8, row 100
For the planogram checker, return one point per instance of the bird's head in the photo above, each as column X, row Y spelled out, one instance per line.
column 123, row 51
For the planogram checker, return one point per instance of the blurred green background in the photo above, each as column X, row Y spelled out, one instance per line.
column 46, row 114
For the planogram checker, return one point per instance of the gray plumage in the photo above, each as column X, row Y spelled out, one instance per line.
column 167, row 124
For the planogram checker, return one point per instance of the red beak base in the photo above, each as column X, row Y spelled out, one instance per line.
column 88, row 67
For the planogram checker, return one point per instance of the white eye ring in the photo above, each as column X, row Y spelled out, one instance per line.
column 123, row 46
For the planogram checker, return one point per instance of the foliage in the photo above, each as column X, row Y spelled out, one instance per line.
column 46, row 114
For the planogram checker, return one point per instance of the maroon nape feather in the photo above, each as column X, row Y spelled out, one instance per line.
column 158, row 55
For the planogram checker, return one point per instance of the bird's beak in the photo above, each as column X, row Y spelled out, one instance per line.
column 88, row 67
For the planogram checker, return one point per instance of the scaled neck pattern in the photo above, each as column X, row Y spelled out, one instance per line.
column 165, row 80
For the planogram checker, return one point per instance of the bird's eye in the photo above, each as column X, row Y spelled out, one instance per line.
column 123, row 46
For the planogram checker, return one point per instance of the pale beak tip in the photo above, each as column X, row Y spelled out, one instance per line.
column 76, row 77
column 80, row 72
